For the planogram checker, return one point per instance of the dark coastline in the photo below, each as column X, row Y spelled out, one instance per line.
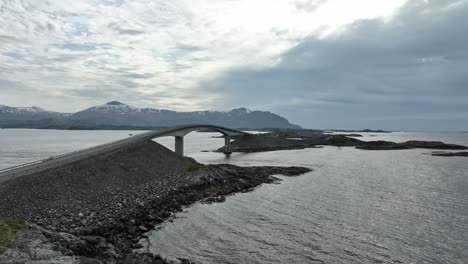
column 240, row 179
column 450, row 154
column 288, row 141
column 98, row 209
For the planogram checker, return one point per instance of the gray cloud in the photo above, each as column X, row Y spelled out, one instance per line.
column 103, row 91
column 9, row 85
column 95, row 91
column 128, row 84
column 189, row 47
column 112, row 2
column 8, row 39
column 124, row 73
column 414, row 65
column 15, row 55
column 47, row 27
column 67, row 57
column 83, row 46
column 139, row 75
column 406, row 72
column 124, row 30
column 309, row 5
column 14, row 87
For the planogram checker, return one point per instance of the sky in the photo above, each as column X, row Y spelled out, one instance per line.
column 389, row 64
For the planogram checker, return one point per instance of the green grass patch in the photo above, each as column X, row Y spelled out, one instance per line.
column 9, row 229
column 338, row 139
column 283, row 133
column 196, row 167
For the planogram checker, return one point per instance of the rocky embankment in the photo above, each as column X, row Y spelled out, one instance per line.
column 259, row 143
column 387, row 145
column 97, row 209
column 450, row 154
column 284, row 141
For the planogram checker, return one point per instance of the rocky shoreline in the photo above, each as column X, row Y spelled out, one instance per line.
column 235, row 179
column 284, row 141
column 97, row 210
column 450, row 154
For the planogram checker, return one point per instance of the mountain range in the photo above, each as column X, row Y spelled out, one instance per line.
column 118, row 114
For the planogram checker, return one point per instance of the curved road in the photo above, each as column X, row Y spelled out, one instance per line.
column 40, row 165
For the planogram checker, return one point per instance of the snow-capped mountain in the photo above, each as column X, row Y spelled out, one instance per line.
column 26, row 113
column 118, row 114
column 115, row 107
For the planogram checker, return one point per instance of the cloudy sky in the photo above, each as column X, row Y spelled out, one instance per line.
column 390, row 64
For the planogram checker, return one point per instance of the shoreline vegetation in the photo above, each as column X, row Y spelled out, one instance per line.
column 98, row 209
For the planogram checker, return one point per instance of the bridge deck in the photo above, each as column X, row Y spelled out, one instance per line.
column 40, row 165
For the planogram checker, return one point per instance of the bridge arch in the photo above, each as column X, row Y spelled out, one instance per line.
column 179, row 132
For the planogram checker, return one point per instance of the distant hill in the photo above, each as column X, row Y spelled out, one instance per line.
column 27, row 113
column 118, row 114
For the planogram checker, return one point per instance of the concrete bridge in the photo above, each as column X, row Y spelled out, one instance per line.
column 178, row 132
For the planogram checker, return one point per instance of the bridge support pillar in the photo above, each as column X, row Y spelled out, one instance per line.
column 227, row 144
column 179, row 145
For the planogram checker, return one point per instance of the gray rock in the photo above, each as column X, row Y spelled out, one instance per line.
column 93, row 240
column 83, row 260
column 142, row 228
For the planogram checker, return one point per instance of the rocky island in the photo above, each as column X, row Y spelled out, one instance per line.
column 300, row 139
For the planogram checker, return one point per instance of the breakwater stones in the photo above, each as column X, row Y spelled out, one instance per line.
column 99, row 208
